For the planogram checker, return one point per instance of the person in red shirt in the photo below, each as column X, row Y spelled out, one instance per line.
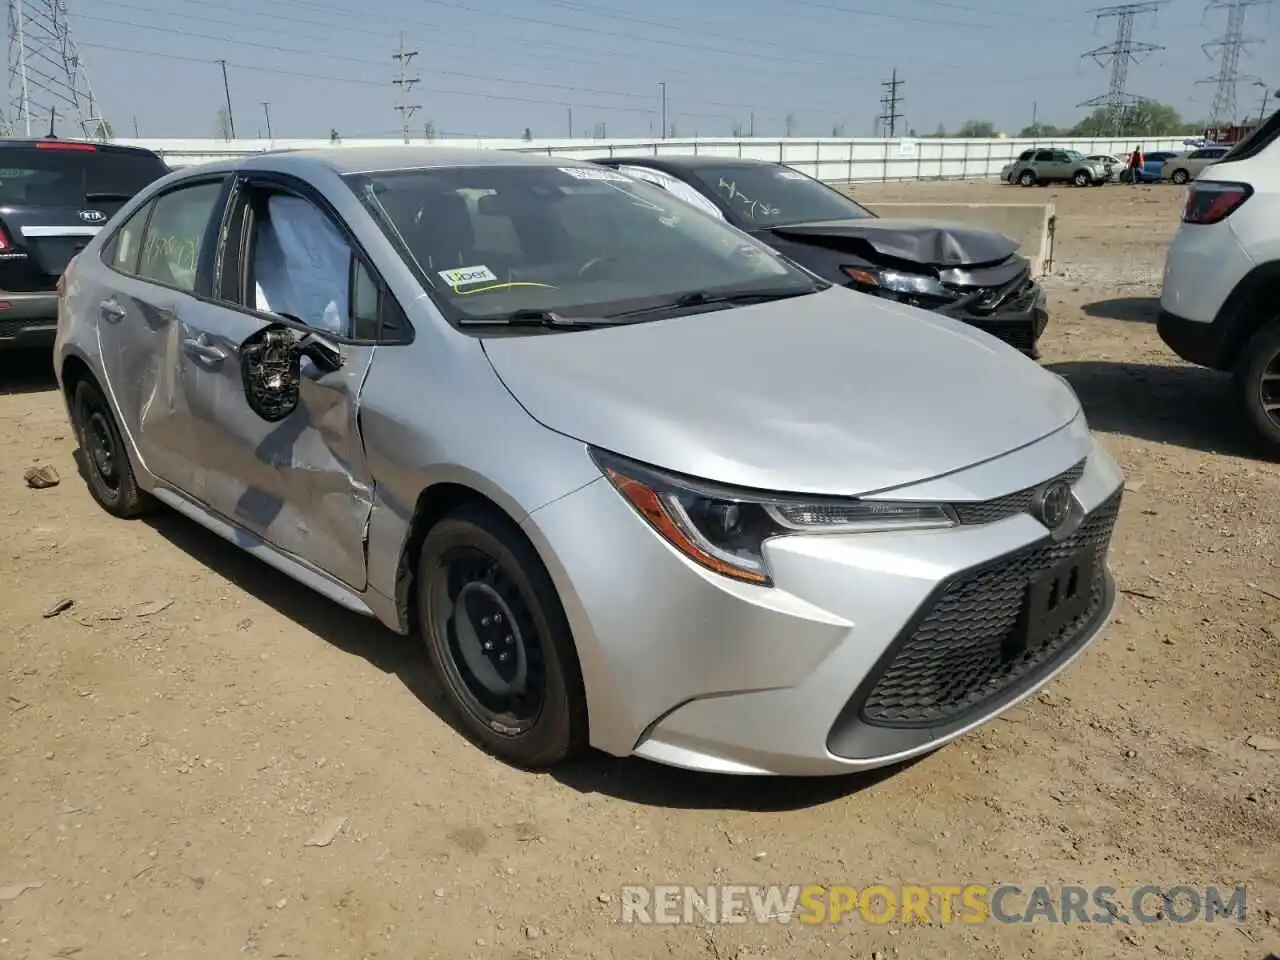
column 1135, row 163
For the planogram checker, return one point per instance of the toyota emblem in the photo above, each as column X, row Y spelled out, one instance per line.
column 93, row 216
column 1053, row 504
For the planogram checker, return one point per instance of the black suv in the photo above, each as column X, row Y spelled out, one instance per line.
column 55, row 195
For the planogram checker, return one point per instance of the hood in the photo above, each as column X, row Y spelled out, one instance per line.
column 930, row 242
column 832, row 393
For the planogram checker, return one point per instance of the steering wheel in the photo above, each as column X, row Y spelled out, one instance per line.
column 593, row 263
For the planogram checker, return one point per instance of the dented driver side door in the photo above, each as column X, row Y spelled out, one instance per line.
column 300, row 482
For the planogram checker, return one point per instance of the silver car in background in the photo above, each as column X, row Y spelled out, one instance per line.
column 638, row 481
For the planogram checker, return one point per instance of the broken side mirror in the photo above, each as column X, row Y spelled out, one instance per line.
column 323, row 353
column 269, row 366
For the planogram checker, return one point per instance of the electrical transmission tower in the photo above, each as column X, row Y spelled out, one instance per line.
column 405, row 84
column 1228, row 47
column 889, row 104
column 47, row 79
column 1119, row 54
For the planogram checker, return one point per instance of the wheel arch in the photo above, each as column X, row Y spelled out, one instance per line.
column 1246, row 310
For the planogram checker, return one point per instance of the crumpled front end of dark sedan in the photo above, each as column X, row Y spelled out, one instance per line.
column 966, row 273
column 1004, row 300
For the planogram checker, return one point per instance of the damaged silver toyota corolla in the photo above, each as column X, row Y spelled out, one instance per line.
column 639, row 482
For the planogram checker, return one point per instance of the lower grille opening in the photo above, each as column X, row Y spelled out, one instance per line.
column 974, row 643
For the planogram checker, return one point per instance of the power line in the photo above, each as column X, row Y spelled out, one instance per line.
column 440, row 72
column 405, row 83
column 47, row 79
column 889, row 115
column 1229, row 47
column 1119, row 54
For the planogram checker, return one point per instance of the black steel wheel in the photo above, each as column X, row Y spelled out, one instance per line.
column 104, row 457
column 499, row 640
column 1257, row 377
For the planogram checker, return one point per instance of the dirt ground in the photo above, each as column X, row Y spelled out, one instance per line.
column 173, row 740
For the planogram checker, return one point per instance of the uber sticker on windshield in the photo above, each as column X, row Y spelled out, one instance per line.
column 588, row 173
column 790, row 175
column 461, row 276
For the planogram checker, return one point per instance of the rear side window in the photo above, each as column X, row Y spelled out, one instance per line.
column 1025, row 155
column 122, row 250
column 1044, row 156
column 175, row 236
column 73, row 175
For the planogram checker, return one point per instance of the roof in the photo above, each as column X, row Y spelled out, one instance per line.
column 344, row 160
column 690, row 161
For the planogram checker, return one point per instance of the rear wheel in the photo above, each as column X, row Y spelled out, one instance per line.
column 1082, row 178
column 1027, row 178
column 499, row 640
column 108, row 472
column 1257, row 379
column 1180, row 177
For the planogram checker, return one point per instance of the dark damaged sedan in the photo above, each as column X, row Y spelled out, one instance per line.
column 964, row 272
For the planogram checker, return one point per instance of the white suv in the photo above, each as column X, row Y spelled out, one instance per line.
column 1220, row 307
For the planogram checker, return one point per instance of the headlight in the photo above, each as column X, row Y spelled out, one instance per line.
column 725, row 529
column 895, row 281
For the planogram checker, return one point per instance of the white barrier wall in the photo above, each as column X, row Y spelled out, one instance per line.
column 838, row 160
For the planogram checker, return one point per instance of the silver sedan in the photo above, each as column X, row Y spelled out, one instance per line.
column 638, row 482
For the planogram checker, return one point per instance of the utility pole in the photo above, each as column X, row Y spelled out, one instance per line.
column 751, row 126
column 662, row 85
column 266, row 110
column 1035, row 112
column 889, row 104
column 1229, row 47
column 569, row 107
column 136, row 134
column 1124, row 50
column 405, row 83
column 226, row 89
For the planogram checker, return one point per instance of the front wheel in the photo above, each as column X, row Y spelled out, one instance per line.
column 1180, row 177
column 499, row 640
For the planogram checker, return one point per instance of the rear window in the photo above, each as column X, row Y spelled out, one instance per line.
column 772, row 195
column 34, row 176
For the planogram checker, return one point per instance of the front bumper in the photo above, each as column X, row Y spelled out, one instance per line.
column 1019, row 322
column 869, row 650
column 28, row 319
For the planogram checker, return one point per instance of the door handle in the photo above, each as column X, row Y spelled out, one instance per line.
column 199, row 349
column 111, row 311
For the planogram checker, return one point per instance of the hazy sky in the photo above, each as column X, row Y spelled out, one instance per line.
column 495, row 67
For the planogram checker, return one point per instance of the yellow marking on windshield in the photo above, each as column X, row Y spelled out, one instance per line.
column 503, row 286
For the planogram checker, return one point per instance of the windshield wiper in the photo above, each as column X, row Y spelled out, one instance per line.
column 699, row 298
column 533, row 318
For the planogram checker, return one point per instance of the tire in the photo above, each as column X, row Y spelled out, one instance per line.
column 1180, row 177
column 516, row 634
column 1027, row 179
column 1259, row 359
column 107, row 468
column 1082, row 178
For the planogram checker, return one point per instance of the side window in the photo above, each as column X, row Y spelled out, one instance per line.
column 1061, row 156
column 1044, row 156
column 122, row 249
column 1025, row 155
column 300, row 262
column 172, row 246
column 1197, row 154
column 366, row 299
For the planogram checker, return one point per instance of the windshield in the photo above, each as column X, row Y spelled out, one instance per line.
column 578, row 241
column 771, row 195
column 71, row 176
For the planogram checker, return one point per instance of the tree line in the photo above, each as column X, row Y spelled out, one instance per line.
column 1147, row 119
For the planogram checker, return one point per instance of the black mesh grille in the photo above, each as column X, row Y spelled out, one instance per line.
column 11, row 328
column 1011, row 504
column 960, row 655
